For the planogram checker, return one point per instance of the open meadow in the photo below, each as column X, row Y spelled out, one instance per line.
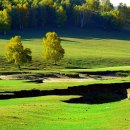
column 83, row 48
column 32, row 98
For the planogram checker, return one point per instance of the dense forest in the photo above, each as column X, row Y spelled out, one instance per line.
column 21, row 14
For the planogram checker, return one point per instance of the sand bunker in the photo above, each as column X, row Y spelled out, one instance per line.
column 67, row 79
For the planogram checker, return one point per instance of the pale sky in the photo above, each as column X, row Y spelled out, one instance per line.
column 116, row 2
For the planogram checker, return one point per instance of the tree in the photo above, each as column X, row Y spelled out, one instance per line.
column 16, row 53
column 52, row 50
column 108, row 6
column 123, row 11
column 5, row 21
column 42, row 15
column 128, row 16
column 112, row 20
column 6, row 4
column 60, row 16
column 20, row 12
column 82, row 15
column 93, row 4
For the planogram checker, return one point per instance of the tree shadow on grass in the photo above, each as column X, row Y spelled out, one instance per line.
column 66, row 40
column 90, row 94
column 28, row 34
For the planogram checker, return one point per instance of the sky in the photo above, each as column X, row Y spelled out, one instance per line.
column 116, row 2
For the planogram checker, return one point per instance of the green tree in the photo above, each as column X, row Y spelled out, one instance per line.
column 5, row 21
column 6, row 4
column 52, row 49
column 16, row 53
column 112, row 20
column 108, row 6
column 82, row 15
column 20, row 12
column 93, row 5
column 42, row 14
column 45, row 13
column 128, row 16
column 60, row 16
column 124, row 11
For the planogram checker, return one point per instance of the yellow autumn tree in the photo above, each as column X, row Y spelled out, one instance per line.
column 52, row 49
column 5, row 21
column 16, row 53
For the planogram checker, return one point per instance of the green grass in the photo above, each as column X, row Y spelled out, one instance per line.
column 17, row 85
column 83, row 48
column 50, row 113
column 74, row 71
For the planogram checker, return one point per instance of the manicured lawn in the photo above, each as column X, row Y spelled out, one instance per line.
column 84, row 48
column 17, row 85
column 50, row 113
column 86, row 51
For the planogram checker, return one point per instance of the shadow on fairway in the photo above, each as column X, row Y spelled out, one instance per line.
column 90, row 94
column 29, row 34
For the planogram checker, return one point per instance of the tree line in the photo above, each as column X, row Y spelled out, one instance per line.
column 21, row 14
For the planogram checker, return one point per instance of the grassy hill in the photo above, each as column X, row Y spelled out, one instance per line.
column 83, row 48
column 50, row 113
column 95, row 51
